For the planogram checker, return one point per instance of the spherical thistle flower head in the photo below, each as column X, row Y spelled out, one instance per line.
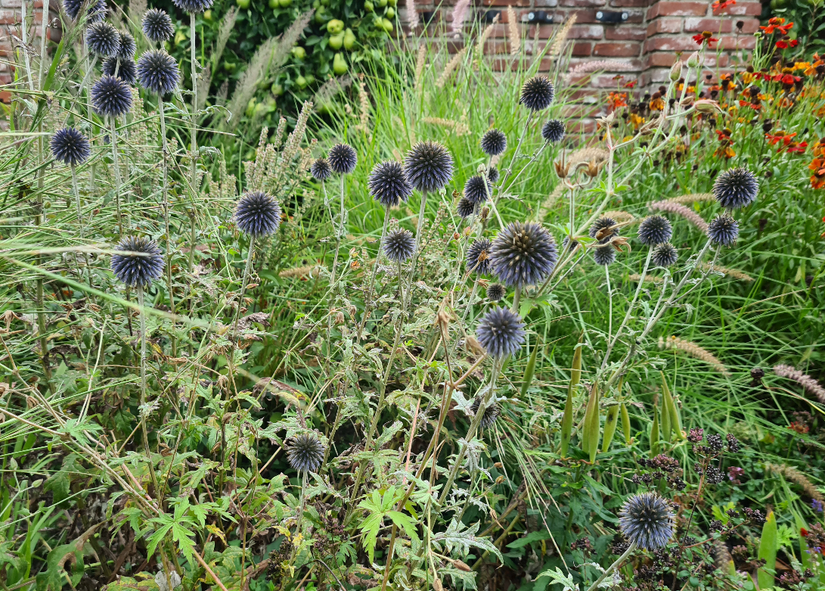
column 735, row 188
column 490, row 413
column 157, row 25
column 537, row 93
column 664, row 254
column 494, row 142
column 158, row 72
column 140, row 264
column 127, row 46
column 126, row 69
column 501, row 332
column 603, row 230
column 97, row 9
column 476, row 189
column 305, row 453
column 388, row 184
column 465, row 207
column 567, row 244
column 495, row 292
column 429, row 166
column 553, row 131
column 71, row 147
column 646, row 520
column 478, row 256
column 604, row 255
column 320, row 169
column 102, row 39
column 523, row 254
column 193, row 5
column 493, row 174
column 723, row 230
column 654, row 229
column 342, row 158
column 399, row 245
column 111, row 97
column 257, row 214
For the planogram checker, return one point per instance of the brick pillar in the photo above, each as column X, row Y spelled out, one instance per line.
column 10, row 16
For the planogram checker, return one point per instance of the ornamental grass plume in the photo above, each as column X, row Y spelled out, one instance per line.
column 388, row 184
column 794, row 475
column 305, row 453
column 810, row 385
column 723, row 230
column 537, row 93
column 158, row 72
column 654, row 230
column 476, row 189
column 553, row 131
column 157, row 25
column 694, row 351
column 501, row 332
column 478, row 256
column 676, row 208
column 646, row 521
column 664, row 255
column 523, row 254
column 735, row 188
column 102, row 39
column 399, row 245
column 493, row 142
column 736, row 274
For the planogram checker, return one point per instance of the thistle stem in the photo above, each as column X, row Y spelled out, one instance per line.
column 612, row 567
column 339, row 231
column 419, row 231
column 368, row 303
column 244, row 281
column 80, row 221
column 165, row 189
column 143, row 410
column 115, row 163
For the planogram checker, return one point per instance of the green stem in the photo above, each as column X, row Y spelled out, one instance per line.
column 142, row 410
column 339, row 231
column 115, row 163
column 170, row 247
column 612, row 567
column 368, row 303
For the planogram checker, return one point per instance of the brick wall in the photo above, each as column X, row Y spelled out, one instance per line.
column 11, row 33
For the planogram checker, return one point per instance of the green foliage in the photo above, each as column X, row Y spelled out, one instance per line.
column 768, row 547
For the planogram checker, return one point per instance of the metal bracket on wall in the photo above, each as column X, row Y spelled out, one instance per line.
column 539, row 16
column 611, row 17
column 427, row 16
column 488, row 16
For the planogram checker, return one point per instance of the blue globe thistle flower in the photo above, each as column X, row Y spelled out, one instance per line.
column 305, row 453
column 71, row 147
column 566, row 244
column 603, row 230
column 494, row 142
column 735, row 188
column 97, row 10
column 501, row 332
column 490, row 413
column 158, row 72
column 478, row 256
column 193, row 5
column 126, row 69
column 342, row 158
column 723, row 230
column 102, row 39
column 127, row 48
column 465, row 207
column 654, row 230
column 476, row 189
column 553, row 131
column 388, row 184
column 664, row 254
column 537, row 93
column 399, row 245
column 429, row 166
column 140, row 264
column 320, row 169
column 495, row 292
column 493, row 174
column 523, row 254
column 157, row 26
column 111, row 97
column 646, row 520
column 604, row 255
column 257, row 214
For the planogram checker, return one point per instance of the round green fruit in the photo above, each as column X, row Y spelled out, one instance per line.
column 277, row 89
column 298, row 52
column 388, row 27
column 250, row 107
column 310, row 79
column 339, row 64
column 207, row 15
column 349, row 39
column 285, row 3
column 368, row 6
column 301, row 82
column 243, row 4
column 336, row 41
column 335, row 26
column 390, row 13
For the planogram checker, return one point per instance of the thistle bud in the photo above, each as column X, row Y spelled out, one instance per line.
column 693, row 60
column 676, row 71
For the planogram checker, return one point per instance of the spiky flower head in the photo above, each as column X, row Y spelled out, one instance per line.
column 603, row 230
column 523, row 254
column 257, row 214
column 537, row 93
column 158, row 72
column 399, row 245
column 97, row 9
column 736, row 187
column 664, row 254
column 321, row 169
column 553, row 131
column 490, row 413
column 465, row 207
column 157, row 26
column 654, row 229
column 493, row 174
column 478, row 256
column 646, row 520
column 501, row 332
column 141, row 261
column 723, row 230
column 388, row 184
column 193, row 5
column 111, row 97
column 102, row 39
column 305, row 453
column 476, row 189
column 71, row 147
column 342, row 158
column 495, row 292
column 604, row 255
column 429, row 166
column 568, row 244
column 494, row 142
column 125, row 68
column 127, row 48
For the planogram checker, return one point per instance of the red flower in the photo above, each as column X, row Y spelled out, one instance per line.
column 777, row 24
column 631, row 84
column 722, row 4
column 798, row 147
column 782, row 44
column 803, row 532
column 705, row 37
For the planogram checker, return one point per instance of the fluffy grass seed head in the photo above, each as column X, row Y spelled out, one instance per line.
column 305, row 453
column 723, row 230
column 71, row 147
column 429, row 166
column 126, row 69
column 97, row 9
column 646, row 520
column 654, row 230
column 604, row 255
column 553, row 131
column 490, row 413
column 478, row 256
column 102, row 39
column 193, row 5
column 388, row 184
column 157, row 26
column 500, row 332
column 465, row 208
column 111, row 97
column 399, row 245
column 495, row 292
column 257, row 214
column 537, row 93
column 523, row 254
column 342, row 158
column 603, row 230
column 158, row 72
column 664, row 254
column 476, row 189
column 493, row 174
column 127, row 48
column 320, row 169
column 494, row 142
column 736, row 187
column 141, row 262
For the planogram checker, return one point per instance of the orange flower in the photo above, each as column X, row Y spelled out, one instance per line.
column 777, row 23
column 657, row 103
column 720, row 5
column 616, row 100
column 818, row 176
column 636, row 121
column 705, row 37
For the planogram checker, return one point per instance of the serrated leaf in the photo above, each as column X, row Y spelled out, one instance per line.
column 462, row 538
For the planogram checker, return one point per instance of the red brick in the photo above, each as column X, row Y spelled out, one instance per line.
column 581, row 48
column 743, row 7
column 697, row 25
column 579, row 111
column 586, row 32
column 681, row 43
column 664, row 25
column 625, row 33
column 513, row 3
column 677, row 9
column 629, row 3
column 628, row 49
column 659, row 60
column 738, row 42
column 749, row 26
column 582, row 3
column 588, row 15
column 585, row 126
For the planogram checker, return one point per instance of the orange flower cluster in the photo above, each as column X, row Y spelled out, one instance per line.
column 786, row 141
column 817, row 166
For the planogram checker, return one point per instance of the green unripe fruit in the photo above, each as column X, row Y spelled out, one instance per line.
column 207, row 15
column 390, row 13
column 301, row 82
column 368, row 6
column 277, row 89
column 388, row 26
column 339, row 64
column 319, row 15
column 229, row 66
column 392, row 3
column 273, row 3
column 298, row 52
column 349, row 39
column 250, row 107
column 310, row 79
column 335, row 26
column 285, row 3
column 243, row 4
column 336, row 41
